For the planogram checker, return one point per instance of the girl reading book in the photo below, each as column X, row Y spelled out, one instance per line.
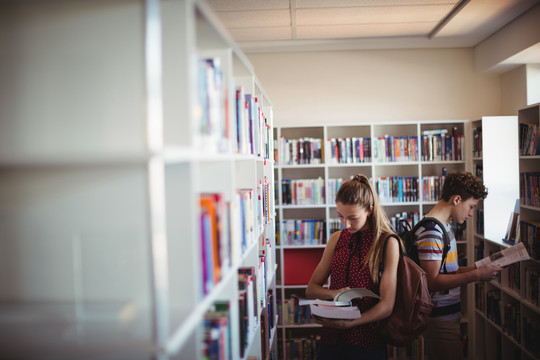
column 352, row 259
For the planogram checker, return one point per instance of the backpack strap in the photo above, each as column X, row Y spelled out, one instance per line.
column 401, row 253
column 446, row 238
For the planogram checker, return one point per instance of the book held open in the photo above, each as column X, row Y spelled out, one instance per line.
column 505, row 257
column 341, row 307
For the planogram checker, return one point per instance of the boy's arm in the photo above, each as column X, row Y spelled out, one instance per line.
column 463, row 269
column 440, row 282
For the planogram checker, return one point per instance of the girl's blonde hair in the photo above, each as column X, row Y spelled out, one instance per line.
column 359, row 191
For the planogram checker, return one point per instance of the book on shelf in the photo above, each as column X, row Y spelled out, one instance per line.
column 348, row 150
column 302, row 151
column 247, row 303
column 342, row 307
column 530, row 236
column 528, row 139
column 210, row 109
column 217, row 331
column 505, row 257
column 215, row 244
column 529, row 188
column 512, row 232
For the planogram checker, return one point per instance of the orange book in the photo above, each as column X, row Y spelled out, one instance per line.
column 209, row 202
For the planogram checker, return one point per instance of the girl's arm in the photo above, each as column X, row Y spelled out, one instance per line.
column 315, row 289
column 387, row 288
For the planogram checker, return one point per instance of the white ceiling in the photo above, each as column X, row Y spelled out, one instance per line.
column 281, row 25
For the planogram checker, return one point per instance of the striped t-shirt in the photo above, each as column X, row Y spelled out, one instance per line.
column 429, row 240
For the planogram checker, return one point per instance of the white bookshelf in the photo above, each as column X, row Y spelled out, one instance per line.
column 103, row 161
column 507, row 294
column 374, row 169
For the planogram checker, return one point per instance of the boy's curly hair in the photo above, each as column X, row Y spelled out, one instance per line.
column 464, row 184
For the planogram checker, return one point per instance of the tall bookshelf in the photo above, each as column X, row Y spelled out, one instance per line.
column 529, row 176
column 499, row 305
column 135, row 187
column 296, row 257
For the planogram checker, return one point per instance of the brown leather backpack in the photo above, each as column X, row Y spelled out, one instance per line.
column 413, row 305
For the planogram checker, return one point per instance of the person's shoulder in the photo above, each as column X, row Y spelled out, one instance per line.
column 334, row 238
column 429, row 228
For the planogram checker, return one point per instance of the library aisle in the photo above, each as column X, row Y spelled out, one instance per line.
column 137, row 209
column 406, row 163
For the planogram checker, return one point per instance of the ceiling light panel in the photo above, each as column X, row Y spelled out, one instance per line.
column 364, row 31
column 369, row 15
column 356, row 3
column 261, row 34
column 244, row 19
column 230, row 5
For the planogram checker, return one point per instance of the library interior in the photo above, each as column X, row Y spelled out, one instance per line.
column 182, row 214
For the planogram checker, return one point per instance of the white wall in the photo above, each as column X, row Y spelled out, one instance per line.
column 533, row 83
column 376, row 85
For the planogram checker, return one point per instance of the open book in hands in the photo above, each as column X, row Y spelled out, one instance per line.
column 506, row 257
column 341, row 307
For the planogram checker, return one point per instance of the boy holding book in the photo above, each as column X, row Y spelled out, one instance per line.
column 460, row 196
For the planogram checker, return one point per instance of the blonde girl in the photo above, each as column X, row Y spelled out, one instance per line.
column 352, row 259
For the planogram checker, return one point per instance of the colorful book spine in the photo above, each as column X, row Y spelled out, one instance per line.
column 302, row 232
column 529, row 188
column 217, row 332
column 397, row 189
column 304, row 151
column 303, row 191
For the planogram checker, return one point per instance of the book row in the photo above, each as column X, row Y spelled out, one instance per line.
column 532, row 285
column 305, row 348
column 397, row 189
column 300, row 151
column 512, row 321
column 443, row 147
column 389, row 189
column 529, row 189
column 432, row 187
column 349, row 150
column 253, row 130
column 291, row 313
column 216, row 325
column 414, row 351
column 514, row 276
column 302, row 191
column 267, row 324
column 477, row 142
column 530, row 236
column 436, row 145
column 395, row 149
column 299, row 348
column 490, row 304
column 250, row 133
column 493, row 306
column 302, row 232
column 531, row 334
column 227, row 228
column 528, row 139
column 480, row 221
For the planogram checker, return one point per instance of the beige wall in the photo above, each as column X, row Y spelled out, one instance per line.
column 514, row 90
column 376, row 86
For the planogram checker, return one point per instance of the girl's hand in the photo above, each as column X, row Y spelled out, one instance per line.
column 335, row 292
column 334, row 323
